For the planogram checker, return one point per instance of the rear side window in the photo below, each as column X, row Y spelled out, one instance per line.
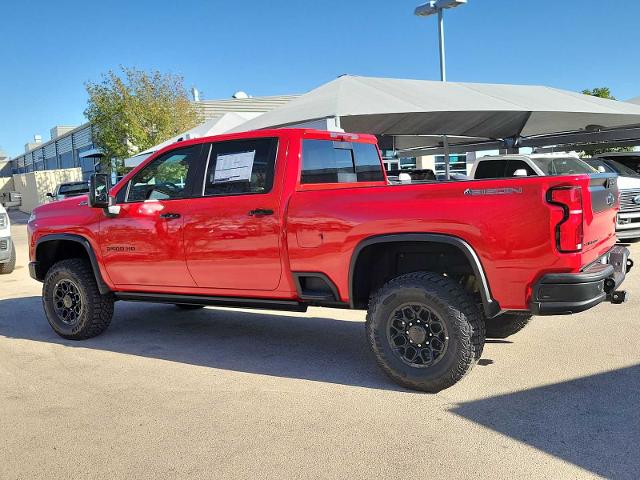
column 241, row 167
column 325, row 161
column 490, row 169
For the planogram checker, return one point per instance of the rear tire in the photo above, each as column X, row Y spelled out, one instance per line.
column 186, row 306
column 445, row 331
column 75, row 308
column 10, row 265
column 507, row 324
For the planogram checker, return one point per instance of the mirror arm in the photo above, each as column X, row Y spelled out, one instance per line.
column 112, row 210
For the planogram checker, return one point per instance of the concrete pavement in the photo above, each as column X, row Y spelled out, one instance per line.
column 222, row 393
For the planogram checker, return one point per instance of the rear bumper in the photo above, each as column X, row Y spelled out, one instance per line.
column 566, row 293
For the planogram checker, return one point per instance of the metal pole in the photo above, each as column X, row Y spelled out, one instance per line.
column 443, row 67
column 443, row 78
column 447, row 167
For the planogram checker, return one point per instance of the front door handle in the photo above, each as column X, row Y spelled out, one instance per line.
column 170, row 216
column 260, row 212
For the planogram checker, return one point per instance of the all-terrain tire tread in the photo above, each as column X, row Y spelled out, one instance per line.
column 464, row 310
column 100, row 310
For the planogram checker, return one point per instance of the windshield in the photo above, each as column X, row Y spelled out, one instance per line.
column 620, row 168
column 600, row 165
column 563, row 166
column 73, row 188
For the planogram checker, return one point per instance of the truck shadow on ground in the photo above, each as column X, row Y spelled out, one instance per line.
column 592, row 422
column 311, row 348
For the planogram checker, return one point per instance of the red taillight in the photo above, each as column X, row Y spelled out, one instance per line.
column 569, row 230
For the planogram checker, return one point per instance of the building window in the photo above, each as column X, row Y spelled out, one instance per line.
column 457, row 164
column 66, row 160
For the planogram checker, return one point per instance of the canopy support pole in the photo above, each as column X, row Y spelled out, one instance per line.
column 447, row 167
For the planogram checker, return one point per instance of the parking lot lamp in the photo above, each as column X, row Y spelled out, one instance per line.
column 437, row 7
column 426, row 10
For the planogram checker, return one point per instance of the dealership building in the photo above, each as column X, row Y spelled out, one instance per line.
column 73, row 147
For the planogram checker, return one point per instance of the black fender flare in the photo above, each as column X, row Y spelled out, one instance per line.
column 490, row 305
column 102, row 286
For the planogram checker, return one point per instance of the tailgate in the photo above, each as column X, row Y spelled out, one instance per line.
column 600, row 218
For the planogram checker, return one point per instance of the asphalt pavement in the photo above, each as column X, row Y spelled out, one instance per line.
column 222, row 393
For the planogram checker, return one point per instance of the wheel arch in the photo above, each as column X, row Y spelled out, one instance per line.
column 490, row 305
column 48, row 250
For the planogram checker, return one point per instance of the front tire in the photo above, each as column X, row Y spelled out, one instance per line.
column 10, row 265
column 444, row 334
column 75, row 308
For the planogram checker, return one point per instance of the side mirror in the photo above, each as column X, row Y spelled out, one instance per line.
column 49, row 194
column 99, row 190
column 521, row 172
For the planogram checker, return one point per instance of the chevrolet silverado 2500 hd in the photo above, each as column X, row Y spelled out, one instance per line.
column 288, row 218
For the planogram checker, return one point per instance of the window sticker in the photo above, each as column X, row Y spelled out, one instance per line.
column 234, row 167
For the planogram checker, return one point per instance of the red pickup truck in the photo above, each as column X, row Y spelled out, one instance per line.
column 288, row 218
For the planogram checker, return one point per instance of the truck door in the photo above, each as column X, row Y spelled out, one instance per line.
column 232, row 232
column 143, row 244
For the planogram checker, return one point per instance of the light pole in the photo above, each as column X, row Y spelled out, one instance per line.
column 425, row 10
column 434, row 7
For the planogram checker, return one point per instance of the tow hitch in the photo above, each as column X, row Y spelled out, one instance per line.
column 619, row 296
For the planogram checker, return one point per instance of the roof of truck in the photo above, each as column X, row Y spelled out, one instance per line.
column 532, row 156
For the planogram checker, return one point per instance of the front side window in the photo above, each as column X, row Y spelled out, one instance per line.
column 165, row 178
column 241, row 167
column 325, row 161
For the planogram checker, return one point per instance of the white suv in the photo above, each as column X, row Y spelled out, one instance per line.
column 7, row 250
column 542, row 164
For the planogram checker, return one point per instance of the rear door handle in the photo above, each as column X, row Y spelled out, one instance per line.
column 260, row 212
column 169, row 216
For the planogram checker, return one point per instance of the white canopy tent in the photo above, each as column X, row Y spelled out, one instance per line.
column 213, row 126
column 415, row 114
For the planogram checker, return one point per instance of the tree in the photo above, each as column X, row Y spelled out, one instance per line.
column 134, row 110
column 602, row 92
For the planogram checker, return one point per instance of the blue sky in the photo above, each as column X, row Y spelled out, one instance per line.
column 50, row 49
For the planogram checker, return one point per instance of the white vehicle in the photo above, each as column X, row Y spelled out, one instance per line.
column 7, row 250
column 629, row 185
column 538, row 164
column 503, row 166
